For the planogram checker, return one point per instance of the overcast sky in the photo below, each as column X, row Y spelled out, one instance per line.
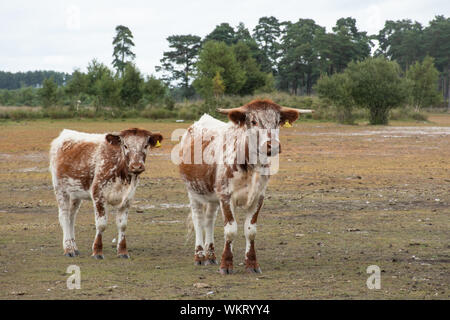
column 64, row 35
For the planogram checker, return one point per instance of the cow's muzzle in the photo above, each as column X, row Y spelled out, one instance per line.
column 271, row 149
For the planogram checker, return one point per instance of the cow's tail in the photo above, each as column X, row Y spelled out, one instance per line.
column 54, row 147
column 190, row 227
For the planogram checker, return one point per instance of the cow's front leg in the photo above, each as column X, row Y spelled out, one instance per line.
column 74, row 206
column 230, row 232
column 251, row 264
column 121, row 221
column 101, row 221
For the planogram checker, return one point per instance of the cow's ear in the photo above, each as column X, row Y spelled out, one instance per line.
column 113, row 139
column 237, row 115
column 155, row 139
column 289, row 115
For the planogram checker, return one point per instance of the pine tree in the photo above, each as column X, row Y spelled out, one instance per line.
column 122, row 42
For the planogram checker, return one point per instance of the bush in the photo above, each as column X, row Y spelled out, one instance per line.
column 193, row 109
column 375, row 84
column 424, row 79
column 158, row 113
column 407, row 114
column 189, row 113
column 337, row 90
column 48, row 93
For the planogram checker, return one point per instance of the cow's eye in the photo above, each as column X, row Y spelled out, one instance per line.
column 254, row 122
column 125, row 146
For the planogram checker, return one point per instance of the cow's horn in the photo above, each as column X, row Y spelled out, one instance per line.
column 300, row 111
column 226, row 111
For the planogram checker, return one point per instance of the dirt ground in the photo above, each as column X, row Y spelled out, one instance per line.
column 345, row 198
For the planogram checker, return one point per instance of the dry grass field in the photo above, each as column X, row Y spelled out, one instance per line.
column 345, row 197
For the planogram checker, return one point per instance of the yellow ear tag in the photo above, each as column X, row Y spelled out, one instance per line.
column 157, row 144
column 287, row 124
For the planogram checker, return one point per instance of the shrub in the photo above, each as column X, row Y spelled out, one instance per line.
column 158, row 113
column 375, row 84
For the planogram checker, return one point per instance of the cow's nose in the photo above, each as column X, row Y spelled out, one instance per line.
column 273, row 151
column 137, row 168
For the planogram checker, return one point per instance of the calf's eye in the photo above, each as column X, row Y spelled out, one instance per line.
column 254, row 122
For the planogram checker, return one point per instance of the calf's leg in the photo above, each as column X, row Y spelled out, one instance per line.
column 74, row 206
column 63, row 200
column 101, row 221
column 121, row 221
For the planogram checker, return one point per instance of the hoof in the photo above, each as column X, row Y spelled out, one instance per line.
column 123, row 256
column 210, row 261
column 77, row 253
column 70, row 254
column 226, row 271
column 98, row 256
column 253, row 270
column 199, row 263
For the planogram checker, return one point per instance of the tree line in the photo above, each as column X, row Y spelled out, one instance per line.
column 17, row 80
column 297, row 57
column 293, row 56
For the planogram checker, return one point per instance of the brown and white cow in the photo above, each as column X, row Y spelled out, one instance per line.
column 218, row 165
column 104, row 168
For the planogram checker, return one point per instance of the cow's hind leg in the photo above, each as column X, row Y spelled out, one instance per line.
column 74, row 206
column 198, row 221
column 210, row 219
column 251, row 264
column 230, row 232
column 63, row 200
column 121, row 221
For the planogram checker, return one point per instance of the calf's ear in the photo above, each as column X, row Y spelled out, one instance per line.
column 237, row 115
column 155, row 139
column 113, row 139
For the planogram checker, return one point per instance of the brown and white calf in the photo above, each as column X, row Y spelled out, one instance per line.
column 218, row 164
column 104, row 168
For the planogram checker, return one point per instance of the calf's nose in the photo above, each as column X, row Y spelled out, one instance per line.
column 137, row 168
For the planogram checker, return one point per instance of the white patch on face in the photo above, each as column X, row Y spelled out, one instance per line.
column 135, row 147
column 265, row 119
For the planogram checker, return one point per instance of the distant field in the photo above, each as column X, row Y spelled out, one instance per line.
column 346, row 197
column 13, row 108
